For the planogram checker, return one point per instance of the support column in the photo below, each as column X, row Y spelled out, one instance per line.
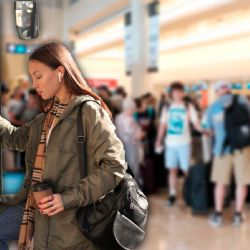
column 139, row 78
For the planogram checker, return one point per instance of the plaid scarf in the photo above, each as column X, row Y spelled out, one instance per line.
column 27, row 226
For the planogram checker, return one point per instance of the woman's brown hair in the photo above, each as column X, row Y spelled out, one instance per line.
column 54, row 55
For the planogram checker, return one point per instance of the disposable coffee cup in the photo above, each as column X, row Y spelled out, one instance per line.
column 41, row 190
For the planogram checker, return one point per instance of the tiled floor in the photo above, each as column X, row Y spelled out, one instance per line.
column 176, row 229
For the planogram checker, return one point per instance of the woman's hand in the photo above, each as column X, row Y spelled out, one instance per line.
column 51, row 205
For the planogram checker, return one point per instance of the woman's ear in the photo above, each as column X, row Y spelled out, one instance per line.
column 60, row 72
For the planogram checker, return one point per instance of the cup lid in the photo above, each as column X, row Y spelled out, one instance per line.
column 40, row 187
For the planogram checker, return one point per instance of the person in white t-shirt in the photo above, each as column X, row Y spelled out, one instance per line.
column 175, row 128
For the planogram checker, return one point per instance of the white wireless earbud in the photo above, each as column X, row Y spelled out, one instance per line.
column 59, row 77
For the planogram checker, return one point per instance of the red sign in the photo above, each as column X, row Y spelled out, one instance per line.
column 97, row 82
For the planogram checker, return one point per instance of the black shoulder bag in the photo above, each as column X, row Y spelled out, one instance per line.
column 118, row 220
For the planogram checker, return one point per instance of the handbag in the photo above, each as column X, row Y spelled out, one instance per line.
column 116, row 221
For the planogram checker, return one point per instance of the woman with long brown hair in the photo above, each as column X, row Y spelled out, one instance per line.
column 52, row 154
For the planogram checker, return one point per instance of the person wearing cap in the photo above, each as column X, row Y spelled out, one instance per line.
column 224, row 160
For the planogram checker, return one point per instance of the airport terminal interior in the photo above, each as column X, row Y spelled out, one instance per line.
column 135, row 50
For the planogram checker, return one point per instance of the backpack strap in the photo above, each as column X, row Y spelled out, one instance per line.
column 226, row 142
column 188, row 106
column 235, row 99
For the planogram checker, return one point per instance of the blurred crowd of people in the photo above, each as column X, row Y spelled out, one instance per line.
column 137, row 121
column 19, row 107
column 160, row 137
column 177, row 132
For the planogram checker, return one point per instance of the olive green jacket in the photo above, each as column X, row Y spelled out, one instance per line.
column 106, row 167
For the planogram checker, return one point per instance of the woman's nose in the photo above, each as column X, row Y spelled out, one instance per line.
column 34, row 85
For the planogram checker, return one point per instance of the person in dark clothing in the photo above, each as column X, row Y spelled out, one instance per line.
column 162, row 103
column 105, row 94
column 146, row 116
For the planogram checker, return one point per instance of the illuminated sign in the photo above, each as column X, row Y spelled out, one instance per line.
column 13, row 48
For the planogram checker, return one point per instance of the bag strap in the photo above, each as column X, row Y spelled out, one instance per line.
column 235, row 99
column 227, row 111
column 80, row 139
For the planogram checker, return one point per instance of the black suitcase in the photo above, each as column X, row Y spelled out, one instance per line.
column 198, row 190
column 160, row 171
column 148, row 175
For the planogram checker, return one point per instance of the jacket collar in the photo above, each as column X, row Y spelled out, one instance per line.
column 74, row 103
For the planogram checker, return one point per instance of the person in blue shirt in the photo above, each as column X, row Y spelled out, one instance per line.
column 225, row 163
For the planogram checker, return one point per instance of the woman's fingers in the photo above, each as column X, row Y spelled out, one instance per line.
column 46, row 199
column 48, row 204
column 52, row 207
column 57, row 211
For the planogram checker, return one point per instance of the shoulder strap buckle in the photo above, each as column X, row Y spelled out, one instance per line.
column 80, row 139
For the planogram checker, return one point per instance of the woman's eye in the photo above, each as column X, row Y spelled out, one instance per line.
column 38, row 77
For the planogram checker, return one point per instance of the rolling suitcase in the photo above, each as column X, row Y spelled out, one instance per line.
column 148, row 175
column 160, row 171
column 198, row 190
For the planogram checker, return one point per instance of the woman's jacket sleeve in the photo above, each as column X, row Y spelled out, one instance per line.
column 108, row 151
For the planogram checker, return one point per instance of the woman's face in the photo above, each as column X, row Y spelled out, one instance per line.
column 45, row 79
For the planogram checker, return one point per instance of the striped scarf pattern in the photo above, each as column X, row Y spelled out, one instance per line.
column 27, row 226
